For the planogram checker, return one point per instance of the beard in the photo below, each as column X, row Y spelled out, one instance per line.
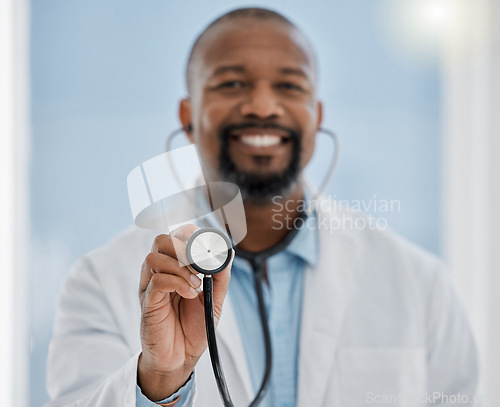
column 260, row 188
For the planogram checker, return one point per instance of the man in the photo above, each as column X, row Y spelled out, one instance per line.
column 357, row 317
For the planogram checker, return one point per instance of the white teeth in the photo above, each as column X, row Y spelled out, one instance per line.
column 264, row 140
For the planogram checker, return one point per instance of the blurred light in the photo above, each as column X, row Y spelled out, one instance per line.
column 419, row 28
column 439, row 16
column 436, row 13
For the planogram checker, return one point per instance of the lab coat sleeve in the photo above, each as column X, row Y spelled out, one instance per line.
column 453, row 360
column 89, row 363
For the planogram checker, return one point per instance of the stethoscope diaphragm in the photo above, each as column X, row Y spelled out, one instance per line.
column 208, row 251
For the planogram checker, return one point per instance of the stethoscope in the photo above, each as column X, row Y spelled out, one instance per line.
column 209, row 251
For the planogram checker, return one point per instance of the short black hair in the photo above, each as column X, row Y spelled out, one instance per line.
column 249, row 12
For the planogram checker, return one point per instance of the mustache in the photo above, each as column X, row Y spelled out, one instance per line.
column 225, row 132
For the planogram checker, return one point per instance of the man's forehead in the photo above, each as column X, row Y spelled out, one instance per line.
column 244, row 39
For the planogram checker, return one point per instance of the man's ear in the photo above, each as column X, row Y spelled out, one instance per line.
column 186, row 118
column 320, row 115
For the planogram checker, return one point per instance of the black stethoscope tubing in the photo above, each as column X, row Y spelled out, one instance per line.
column 257, row 262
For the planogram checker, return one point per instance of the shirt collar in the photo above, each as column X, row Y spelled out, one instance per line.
column 305, row 243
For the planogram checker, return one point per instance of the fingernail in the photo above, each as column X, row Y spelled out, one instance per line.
column 195, row 281
column 193, row 292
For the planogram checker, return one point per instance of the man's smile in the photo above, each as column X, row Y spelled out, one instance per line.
column 260, row 141
column 262, row 158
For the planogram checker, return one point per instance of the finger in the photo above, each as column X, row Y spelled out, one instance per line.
column 221, row 284
column 162, row 285
column 163, row 244
column 170, row 246
column 160, row 263
column 184, row 232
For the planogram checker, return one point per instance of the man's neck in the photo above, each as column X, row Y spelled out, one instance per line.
column 268, row 224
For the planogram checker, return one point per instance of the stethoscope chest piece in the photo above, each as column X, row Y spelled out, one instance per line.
column 208, row 251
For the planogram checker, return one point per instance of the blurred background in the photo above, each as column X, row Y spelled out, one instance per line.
column 410, row 86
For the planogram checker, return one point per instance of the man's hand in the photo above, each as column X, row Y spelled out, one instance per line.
column 173, row 333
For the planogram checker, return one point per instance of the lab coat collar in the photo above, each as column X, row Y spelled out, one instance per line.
column 228, row 334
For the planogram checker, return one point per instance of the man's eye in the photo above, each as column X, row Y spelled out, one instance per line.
column 290, row 86
column 231, row 85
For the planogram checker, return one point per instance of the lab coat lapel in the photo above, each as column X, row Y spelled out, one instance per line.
column 229, row 336
column 327, row 289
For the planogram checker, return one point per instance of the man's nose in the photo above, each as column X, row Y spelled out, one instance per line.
column 262, row 103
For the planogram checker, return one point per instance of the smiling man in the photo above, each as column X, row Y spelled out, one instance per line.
column 356, row 316
column 253, row 111
column 253, row 103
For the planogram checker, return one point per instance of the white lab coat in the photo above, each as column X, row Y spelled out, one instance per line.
column 380, row 318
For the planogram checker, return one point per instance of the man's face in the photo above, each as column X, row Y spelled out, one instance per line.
column 253, row 106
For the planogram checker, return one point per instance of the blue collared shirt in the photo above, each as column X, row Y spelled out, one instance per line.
column 283, row 299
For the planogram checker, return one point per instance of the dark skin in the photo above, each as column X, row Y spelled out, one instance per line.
column 245, row 69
